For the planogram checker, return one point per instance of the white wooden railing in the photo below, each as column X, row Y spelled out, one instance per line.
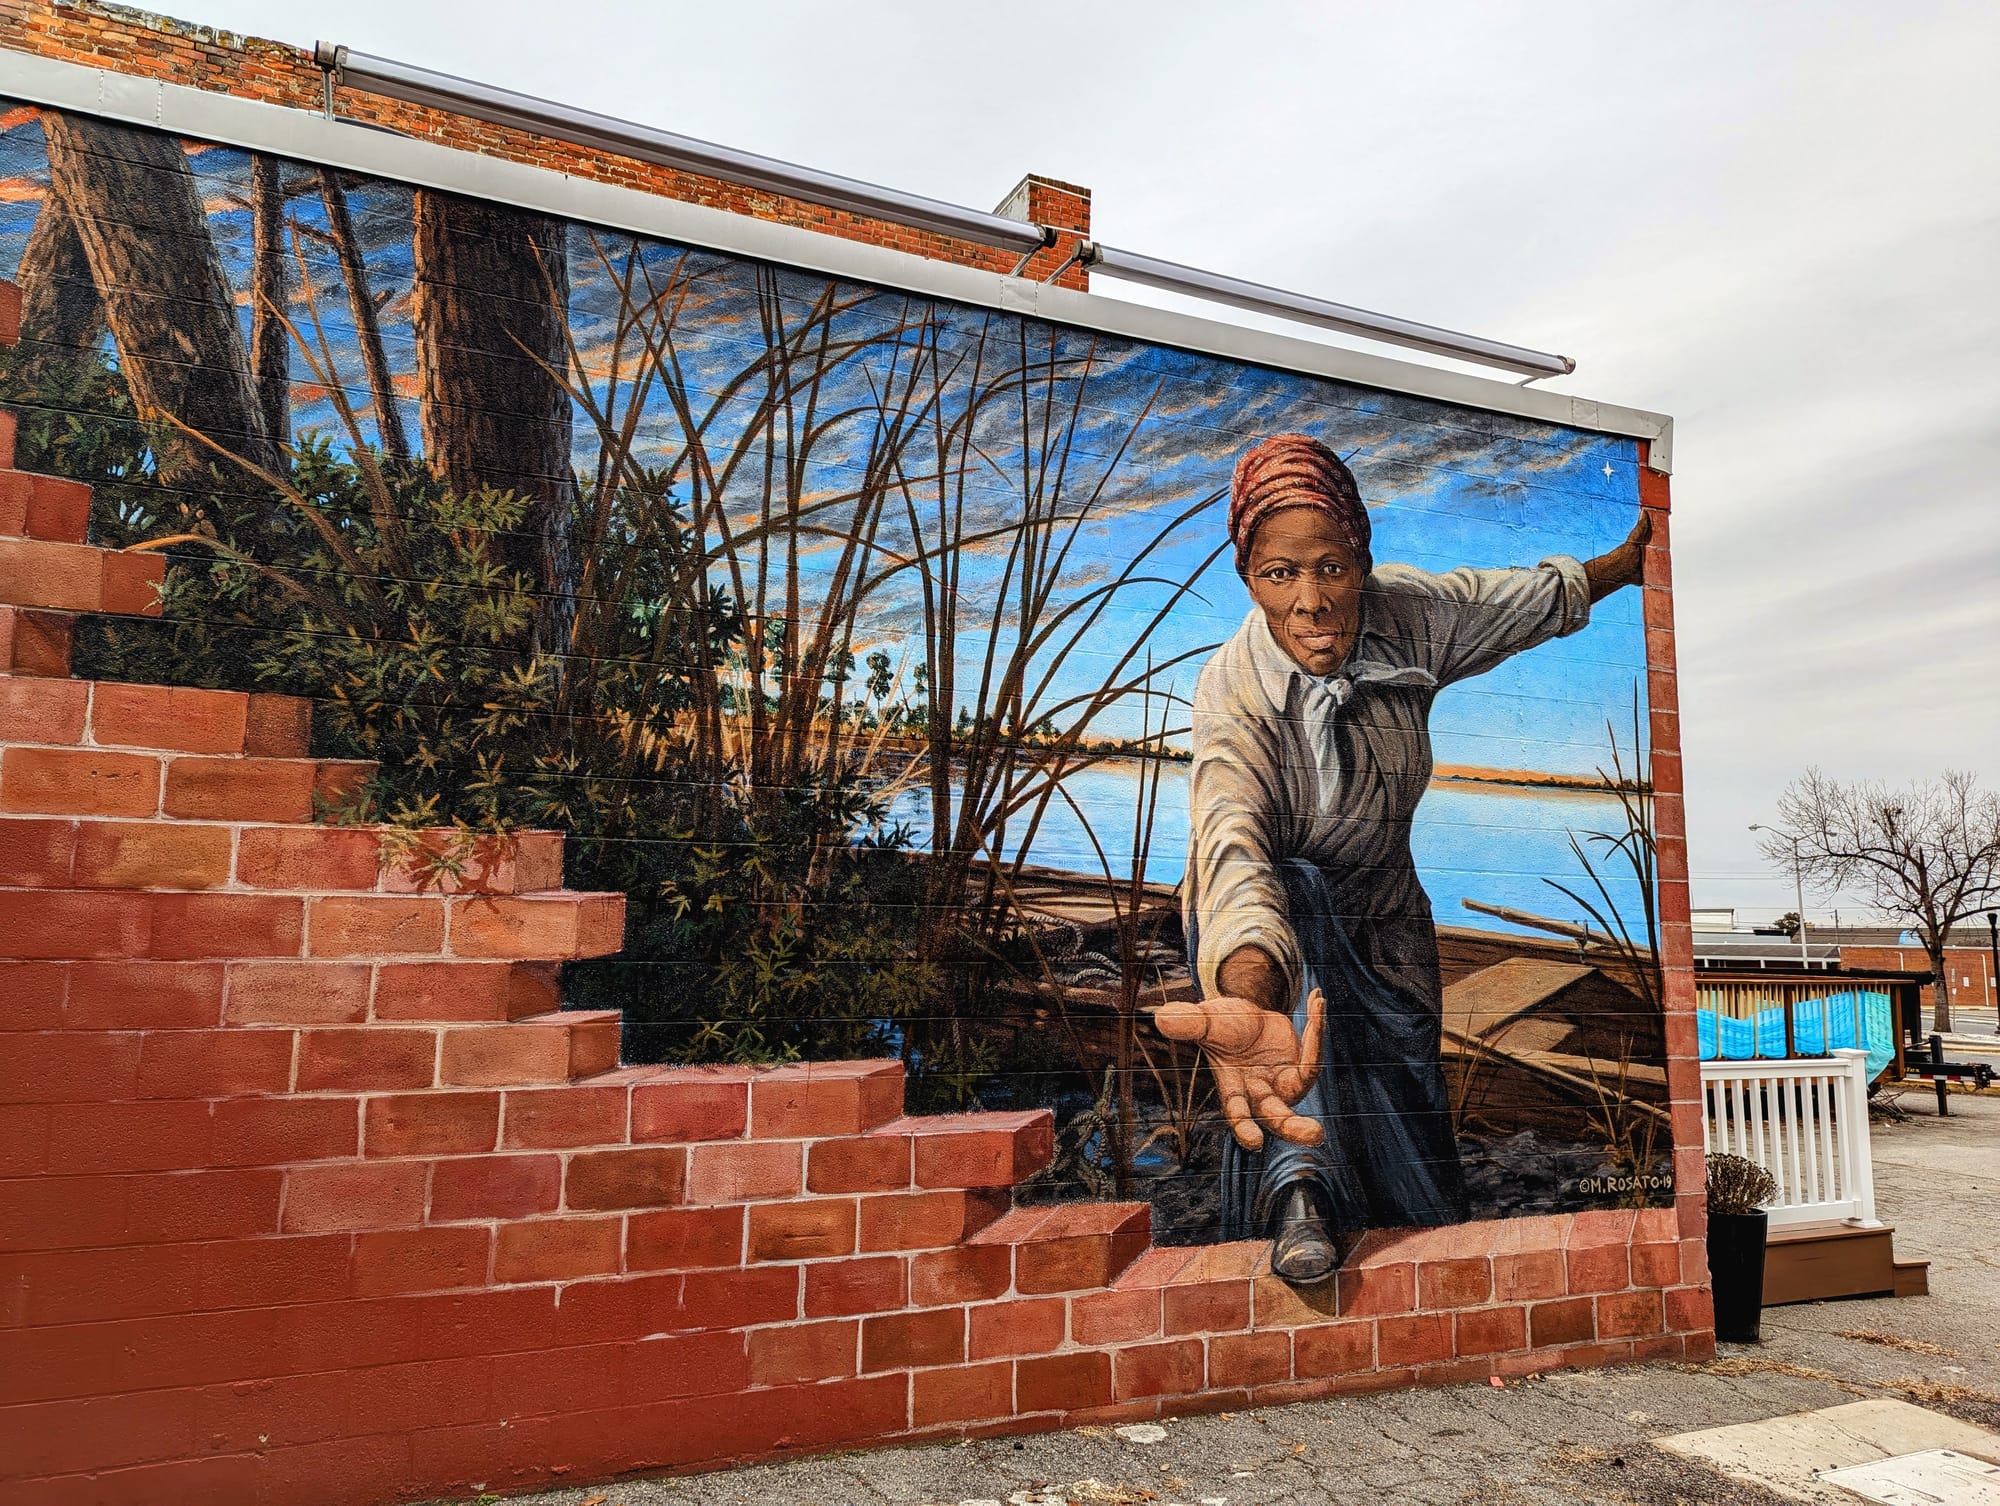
column 1806, row 1122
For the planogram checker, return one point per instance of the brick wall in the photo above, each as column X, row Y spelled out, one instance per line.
column 1670, row 836
column 1969, row 969
column 124, row 40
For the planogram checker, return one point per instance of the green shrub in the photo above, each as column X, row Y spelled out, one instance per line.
column 756, row 931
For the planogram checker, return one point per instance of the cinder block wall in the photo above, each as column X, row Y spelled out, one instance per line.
column 309, row 1189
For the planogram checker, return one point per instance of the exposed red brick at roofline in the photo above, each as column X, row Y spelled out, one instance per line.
column 144, row 45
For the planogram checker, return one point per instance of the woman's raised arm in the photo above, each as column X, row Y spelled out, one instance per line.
column 1623, row 566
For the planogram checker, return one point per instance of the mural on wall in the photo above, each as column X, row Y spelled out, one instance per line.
column 1246, row 765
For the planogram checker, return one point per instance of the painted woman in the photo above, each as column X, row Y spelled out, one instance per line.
column 1312, row 938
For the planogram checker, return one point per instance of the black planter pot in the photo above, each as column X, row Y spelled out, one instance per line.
column 1736, row 1267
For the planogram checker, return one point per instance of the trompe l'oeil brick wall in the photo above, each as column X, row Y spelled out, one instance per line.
column 309, row 1186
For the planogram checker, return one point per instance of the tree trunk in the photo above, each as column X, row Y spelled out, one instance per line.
column 490, row 304
column 367, row 329
column 1940, row 990
column 270, row 299
column 145, row 235
column 60, row 308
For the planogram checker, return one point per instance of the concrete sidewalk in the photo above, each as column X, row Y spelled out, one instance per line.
column 1576, row 1436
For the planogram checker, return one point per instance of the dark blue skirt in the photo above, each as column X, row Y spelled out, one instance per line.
column 1389, row 1158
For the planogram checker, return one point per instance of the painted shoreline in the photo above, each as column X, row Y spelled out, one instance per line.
column 1441, row 774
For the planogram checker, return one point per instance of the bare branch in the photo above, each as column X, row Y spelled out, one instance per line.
column 1926, row 855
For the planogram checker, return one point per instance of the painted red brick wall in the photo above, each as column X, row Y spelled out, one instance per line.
column 309, row 1190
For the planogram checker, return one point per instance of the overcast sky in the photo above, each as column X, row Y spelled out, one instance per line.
column 1779, row 223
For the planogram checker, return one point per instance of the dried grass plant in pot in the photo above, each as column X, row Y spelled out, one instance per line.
column 1737, row 1229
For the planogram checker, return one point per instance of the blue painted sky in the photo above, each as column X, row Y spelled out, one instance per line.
column 1147, row 430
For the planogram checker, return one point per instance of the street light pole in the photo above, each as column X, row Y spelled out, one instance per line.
column 1798, row 889
column 1993, row 943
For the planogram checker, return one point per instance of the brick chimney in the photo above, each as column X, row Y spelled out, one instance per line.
column 1065, row 208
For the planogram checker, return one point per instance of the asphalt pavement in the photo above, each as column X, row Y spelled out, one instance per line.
column 1581, row 1436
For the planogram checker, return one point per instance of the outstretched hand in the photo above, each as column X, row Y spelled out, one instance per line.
column 1261, row 1066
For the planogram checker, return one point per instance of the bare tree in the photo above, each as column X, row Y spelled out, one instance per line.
column 270, row 298
column 367, row 327
column 1927, row 855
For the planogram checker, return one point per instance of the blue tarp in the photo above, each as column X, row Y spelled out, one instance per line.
column 1813, row 1020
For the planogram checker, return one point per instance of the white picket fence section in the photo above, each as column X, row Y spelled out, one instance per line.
column 1803, row 1120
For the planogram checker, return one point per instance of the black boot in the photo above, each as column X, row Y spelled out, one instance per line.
column 1303, row 1249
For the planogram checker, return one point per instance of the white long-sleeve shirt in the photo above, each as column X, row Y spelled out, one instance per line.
column 1285, row 767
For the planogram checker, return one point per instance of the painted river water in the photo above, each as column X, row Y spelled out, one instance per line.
column 1499, row 844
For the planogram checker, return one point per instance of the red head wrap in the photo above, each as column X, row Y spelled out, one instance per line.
column 1294, row 470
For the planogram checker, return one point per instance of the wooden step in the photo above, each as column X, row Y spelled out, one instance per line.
column 1813, row 1262
column 1913, row 1277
